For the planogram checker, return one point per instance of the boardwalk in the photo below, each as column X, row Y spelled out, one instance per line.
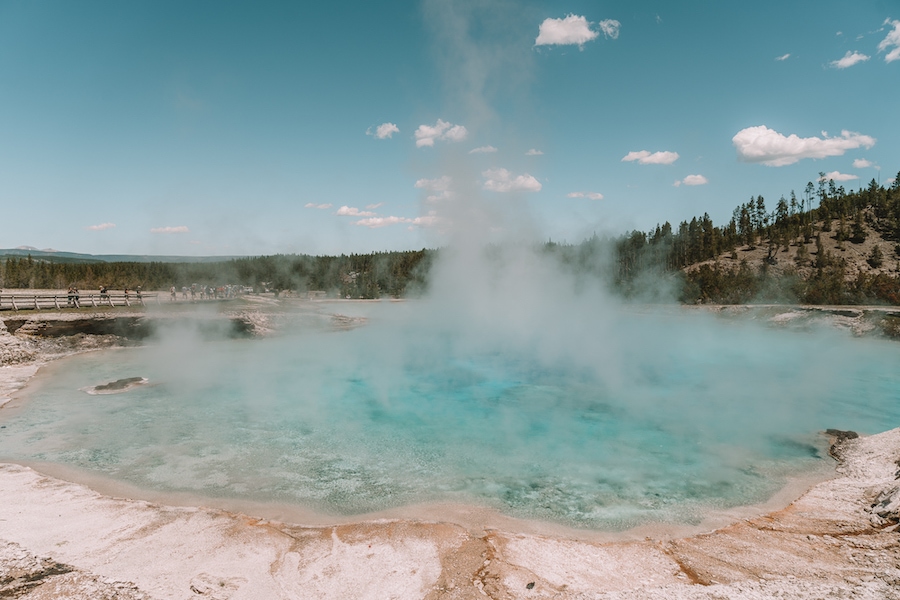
column 17, row 301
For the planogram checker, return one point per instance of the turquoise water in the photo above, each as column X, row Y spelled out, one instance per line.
column 643, row 418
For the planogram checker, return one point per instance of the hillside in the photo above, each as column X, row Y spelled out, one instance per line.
column 800, row 257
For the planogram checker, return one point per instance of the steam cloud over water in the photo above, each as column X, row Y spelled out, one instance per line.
column 542, row 401
column 517, row 383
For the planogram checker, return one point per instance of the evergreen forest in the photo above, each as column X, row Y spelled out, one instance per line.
column 825, row 246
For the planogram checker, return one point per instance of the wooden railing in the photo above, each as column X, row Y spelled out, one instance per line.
column 19, row 302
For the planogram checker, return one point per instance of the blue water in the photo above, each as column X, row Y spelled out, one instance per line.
column 647, row 418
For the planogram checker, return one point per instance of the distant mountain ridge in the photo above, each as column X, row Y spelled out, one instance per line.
column 51, row 255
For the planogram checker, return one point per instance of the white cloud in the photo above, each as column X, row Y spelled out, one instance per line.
column 569, row 31
column 426, row 135
column 428, row 220
column 441, row 184
column 610, row 28
column 763, row 145
column 383, row 131
column 892, row 39
column 501, row 180
column 838, row 176
column 692, row 180
column 646, row 158
column 890, row 180
column 318, row 206
column 534, row 152
column 861, row 163
column 377, row 222
column 100, row 227
column 783, row 56
column 588, row 195
column 849, row 59
column 178, row 229
column 482, row 150
column 374, row 206
column 351, row 211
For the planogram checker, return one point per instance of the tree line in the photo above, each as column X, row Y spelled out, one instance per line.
column 684, row 257
column 372, row 275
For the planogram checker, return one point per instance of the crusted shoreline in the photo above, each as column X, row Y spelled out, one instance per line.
column 61, row 539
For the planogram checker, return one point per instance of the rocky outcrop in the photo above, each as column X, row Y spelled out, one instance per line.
column 27, row 576
column 12, row 349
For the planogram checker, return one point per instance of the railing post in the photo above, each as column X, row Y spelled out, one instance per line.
column 93, row 301
column 56, row 301
column 36, row 307
column 15, row 308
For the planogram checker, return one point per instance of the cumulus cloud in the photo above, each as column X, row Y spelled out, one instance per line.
column 763, row 145
column 100, row 227
column 439, row 188
column 318, row 206
column 482, row 150
column 610, row 28
column 646, row 158
column 861, row 163
column 377, row 222
column 501, row 180
column 572, row 30
column 849, row 59
column 178, row 229
column 441, row 184
column 783, row 56
column 534, row 152
column 427, row 135
column 351, row 211
column 383, row 131
column 588, row 195
column 692, row 180
column 891, row 41
column 837, row 176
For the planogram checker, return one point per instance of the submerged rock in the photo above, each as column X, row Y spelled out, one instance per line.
column 840, row 439
column 119, row 385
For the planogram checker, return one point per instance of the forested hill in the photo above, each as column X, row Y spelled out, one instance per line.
column 827, row 246
column 846, row 250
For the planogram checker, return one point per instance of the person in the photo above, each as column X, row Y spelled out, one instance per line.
column 103, row 293
column 76, row 295
column 70, row 296
column 137, row 292
column 173, row 294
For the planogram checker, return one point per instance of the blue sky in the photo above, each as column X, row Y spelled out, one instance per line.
column 221, row 128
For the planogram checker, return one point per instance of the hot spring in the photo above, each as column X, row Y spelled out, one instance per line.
column 600, row 423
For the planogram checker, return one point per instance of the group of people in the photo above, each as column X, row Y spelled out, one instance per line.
column 74, row 296
column 205, row 292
